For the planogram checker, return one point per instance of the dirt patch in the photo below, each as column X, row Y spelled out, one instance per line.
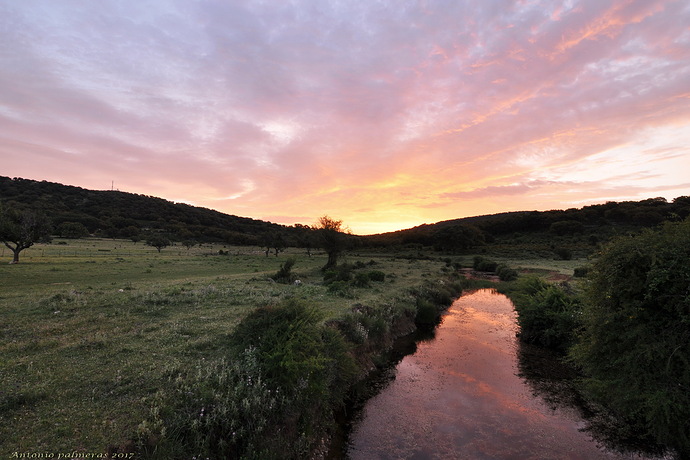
column 558, row 277
column 471, row 274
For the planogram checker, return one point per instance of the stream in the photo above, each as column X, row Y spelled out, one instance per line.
column 461, row 395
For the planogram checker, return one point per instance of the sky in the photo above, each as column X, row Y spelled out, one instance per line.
column 383, row 114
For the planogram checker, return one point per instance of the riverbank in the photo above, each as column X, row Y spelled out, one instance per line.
column 287, row 377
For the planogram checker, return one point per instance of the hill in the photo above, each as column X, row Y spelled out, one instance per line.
column 126, row 215
column 587, row 226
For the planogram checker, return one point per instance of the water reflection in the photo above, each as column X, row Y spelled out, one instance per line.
column 554, row 382
column 460, row 396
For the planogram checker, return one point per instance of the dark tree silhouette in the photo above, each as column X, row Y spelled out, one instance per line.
column 19, row 230
column 332, row 239
column 158, row 241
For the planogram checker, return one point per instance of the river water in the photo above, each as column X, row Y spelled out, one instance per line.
column 460, row 396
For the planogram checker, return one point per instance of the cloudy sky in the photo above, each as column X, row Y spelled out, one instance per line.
column 386, row 114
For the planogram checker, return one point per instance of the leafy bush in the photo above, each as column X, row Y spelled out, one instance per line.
column 221, row 408
column 580, row 272
column 284, row 274
column 361, row 280
column 547, row 315
column 377, row 275
column 484, row 265
column 427, row 312
column 563, row 253
column 340, row 288
column 635, row 343
column 506, row 273
column 338, row 273
column 270, row 401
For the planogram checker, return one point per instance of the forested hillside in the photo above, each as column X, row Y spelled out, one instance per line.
column 128, row 215
column 587, row 226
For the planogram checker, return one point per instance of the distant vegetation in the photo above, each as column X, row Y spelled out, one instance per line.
column 562, row 234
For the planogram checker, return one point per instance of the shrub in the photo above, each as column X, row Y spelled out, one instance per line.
column 351, row 326
column 269, row 401
column 284, row 274
column 635, row 342
column 484, row 265
column 427, row 312
column 361, row 280
column 547, row 315
column 506, row 273
column 340, row 288
column 338, row 273
column 222, row 408
column 580, row 272
column 563, row 253
column 377, row 275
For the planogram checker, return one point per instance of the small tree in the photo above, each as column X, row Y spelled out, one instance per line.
column 20, row 230
column 331, row 238
column 158, row 241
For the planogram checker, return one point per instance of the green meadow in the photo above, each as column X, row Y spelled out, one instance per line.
column 91, row 328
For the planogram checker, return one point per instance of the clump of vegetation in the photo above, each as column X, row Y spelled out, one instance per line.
column 634, row 346
column 284, row 274
column 341, row 272
column 482, row 264
column 271, row 399
column 377, row 276
column 547, row 314
column 581, row 272
column 563, row 253
column 340, row 288
column 341, row 278
column 432, row 298
column 505, row 273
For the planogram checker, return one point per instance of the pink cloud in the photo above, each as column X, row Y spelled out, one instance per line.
column 315, row 107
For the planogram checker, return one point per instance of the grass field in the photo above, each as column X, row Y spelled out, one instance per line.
column 90, row 327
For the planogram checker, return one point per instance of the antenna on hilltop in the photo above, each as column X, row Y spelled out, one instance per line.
column 112, row 185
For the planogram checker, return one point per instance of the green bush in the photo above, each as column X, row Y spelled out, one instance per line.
column 484, row 265
column 221, row 408
column 350, row 324
column 427, row 312
column 340, row 288
column 580, row 272
column 271, row 400
column 547, row 315
column 284, row 274
column 506, row 273
column 338, row 273
column 563, row 253
column 361, row 280
column 377, row 275
column 635, row 342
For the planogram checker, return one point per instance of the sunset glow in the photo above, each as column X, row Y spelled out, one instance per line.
column 384, row 114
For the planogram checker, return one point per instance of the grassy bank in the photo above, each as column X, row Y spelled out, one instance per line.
column 93, row 329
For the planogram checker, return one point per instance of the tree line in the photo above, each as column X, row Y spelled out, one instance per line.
column 76, row 212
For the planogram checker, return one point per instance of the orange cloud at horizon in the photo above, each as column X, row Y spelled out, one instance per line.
column 386, row 118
